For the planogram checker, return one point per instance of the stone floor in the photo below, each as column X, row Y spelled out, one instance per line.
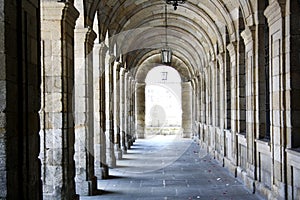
column 169, row 167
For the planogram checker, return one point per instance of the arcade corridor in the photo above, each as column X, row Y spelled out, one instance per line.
column 77, row 106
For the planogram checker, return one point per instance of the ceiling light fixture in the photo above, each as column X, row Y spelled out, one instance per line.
column 175, row 3
column 166, row 53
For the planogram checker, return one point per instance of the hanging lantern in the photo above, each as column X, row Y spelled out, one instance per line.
column 166, row 55
column 166, row 52
column 175, row 3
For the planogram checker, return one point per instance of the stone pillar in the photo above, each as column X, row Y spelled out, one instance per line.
column 140, row 109
column 123, row 113
column 133, row 117
column 116, row 94
column 57, row 134
column 109, row 119
column 20, row 68
column 96, row 96
column 86, row 182
column 101, row 167
column 186, row 109
column 130, row 125
column 127, row 110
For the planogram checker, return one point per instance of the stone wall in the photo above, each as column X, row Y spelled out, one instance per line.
column 266, row 161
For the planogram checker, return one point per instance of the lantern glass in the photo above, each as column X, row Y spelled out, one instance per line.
column 166, row 55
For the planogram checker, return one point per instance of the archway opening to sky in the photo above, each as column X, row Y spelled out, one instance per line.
column 163, row 101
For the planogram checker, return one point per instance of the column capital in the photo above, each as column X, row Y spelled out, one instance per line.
column 87, row 35
column 91, row 35
column 274, row 12
column 232, row 49
column 70, row 13
column 247, row 34
column 103, row 50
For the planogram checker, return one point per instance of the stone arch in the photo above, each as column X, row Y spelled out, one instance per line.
column 142, row 70
column 140, row 75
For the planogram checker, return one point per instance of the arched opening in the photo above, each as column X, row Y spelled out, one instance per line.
column 163, row 101
column 241, row 93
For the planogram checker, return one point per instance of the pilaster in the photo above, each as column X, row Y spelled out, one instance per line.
column 186, row 109
column 278, row 131
column 140, row 109
column 232, row 49
column 249, row 40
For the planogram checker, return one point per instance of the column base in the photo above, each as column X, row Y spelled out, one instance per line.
column 128, row 145
column 102, row 172
column 118, row 152
column 87, row 188
column 124, row 150
column 111, row 162
column 186, row 134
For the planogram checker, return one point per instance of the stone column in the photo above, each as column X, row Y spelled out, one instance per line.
column 116, row 94
column 20, row 100
column 97, row 122
column 86, row 182
column 100, row 145
column 140, row 109
column 57, row 134
column 109, row 103
column 186, row 109
column 130, row 110
column 123, row 113
column 127, row 110
column 133, row 117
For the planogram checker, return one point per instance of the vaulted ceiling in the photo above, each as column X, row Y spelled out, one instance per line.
column 197, row 31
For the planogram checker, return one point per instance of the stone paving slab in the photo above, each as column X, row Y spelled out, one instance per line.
column 169, row 167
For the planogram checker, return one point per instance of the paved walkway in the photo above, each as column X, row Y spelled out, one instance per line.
column 168, row 167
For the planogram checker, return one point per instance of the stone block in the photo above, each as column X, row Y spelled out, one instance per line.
column 3, row 184
column 53, row 120
column 57, row 156
column 83, row 188
column 53, row 84
column 53, row 176
column 54, row 102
